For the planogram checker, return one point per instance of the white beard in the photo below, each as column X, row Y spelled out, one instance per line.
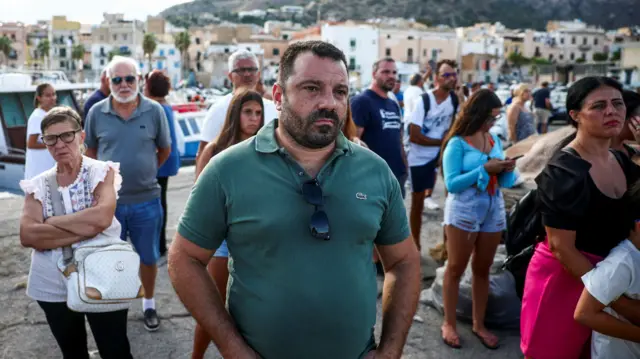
column 127, row 99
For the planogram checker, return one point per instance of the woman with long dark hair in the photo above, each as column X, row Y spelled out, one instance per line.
column 585, row 215
column 474, row 169
column 244, row 118
column 629, row 131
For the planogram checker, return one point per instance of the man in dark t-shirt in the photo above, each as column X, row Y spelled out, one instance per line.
column 379, row 121
column 99, row 95
column 542, row 107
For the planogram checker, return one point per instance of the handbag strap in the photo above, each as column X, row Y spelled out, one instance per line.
column 58, row 210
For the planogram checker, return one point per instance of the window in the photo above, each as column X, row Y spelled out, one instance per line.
column 65, row 99
column 176, row 64
column 276, row 52
column 572, row 56
column 387, row 52
column 388, row 36
column 194, row 125
column 249, row 49
column 562, row 40
column 11, row 110
column 595, row 41
column 101, row 37
column 573, row 40
column 434, row 54
column 101, row 62
column 63, row 64
column 197, row 41
column 410, row 38
column 171, row 52
column 13, row 37
column 124, row 37
column 352, row 43
column 561, row 57
column 159, row 65
column 424, row 52
column 27, row 102
column 352, row 63
column 550, row 57
column 161, row 52
column 184, row 128
column 584, row 41
column 285, row 37
column 115, row 37
column 63, row 53
column 409, row 55
column 584, row 56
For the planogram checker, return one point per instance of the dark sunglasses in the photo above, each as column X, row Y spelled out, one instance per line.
column 66, row 137
column 319, row 225
column 250, row 70
column 118, row 79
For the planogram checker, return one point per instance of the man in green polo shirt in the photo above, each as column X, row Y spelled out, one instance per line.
column 301, row 208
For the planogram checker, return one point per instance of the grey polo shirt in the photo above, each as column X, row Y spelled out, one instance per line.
column 132, row 143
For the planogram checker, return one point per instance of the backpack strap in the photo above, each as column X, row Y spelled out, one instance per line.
column 426, row 102
column 455, row 102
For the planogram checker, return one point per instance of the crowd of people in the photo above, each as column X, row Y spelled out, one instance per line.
column 299, row 197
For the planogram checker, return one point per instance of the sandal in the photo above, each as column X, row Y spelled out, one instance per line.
column 449, row 344
column 484, row 342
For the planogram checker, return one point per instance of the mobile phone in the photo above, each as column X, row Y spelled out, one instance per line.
column 515, row 158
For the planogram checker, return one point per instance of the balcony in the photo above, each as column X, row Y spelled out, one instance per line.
column 584, row 48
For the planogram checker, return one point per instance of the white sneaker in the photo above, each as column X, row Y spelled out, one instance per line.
column 431, row 204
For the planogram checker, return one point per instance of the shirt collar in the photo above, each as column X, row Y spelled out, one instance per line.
column 266, row 141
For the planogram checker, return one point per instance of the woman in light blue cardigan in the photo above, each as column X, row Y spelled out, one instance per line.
column 474, row 169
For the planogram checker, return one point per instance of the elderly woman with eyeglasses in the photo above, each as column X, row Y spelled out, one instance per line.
column 88, row 190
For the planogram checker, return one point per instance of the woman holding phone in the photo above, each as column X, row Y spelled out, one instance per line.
column 474, row 169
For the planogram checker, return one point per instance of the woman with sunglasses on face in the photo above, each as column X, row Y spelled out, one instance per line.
column 244, row 118
column 38, row 159
column 585, row 215
column 474, row 170
column 89, row 188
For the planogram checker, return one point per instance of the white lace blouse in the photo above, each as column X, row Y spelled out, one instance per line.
column 45, row 282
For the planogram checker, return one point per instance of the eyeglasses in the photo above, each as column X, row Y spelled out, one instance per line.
column 66, row 137
column 118, row 79
column 446, row 75
column 249, row 70
column 319, row 224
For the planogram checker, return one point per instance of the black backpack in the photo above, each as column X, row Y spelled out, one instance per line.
column 524, row 231
column 427, row 103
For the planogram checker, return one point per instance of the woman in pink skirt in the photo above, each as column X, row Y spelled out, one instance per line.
column 580, row 195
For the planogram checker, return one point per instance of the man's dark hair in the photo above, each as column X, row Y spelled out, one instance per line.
column 451, row 63
column 158, row 84
column 415, row 79
column 376, row 64
column 319, row 48
column 545, row 84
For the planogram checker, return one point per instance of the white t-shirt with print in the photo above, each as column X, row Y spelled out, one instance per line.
column 616, row 275
column 213, row 121
column 434, row 125
column 37, row 160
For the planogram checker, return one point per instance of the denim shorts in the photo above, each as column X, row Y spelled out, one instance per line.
column 222, row 251
column 475, row 211
column 142, row 222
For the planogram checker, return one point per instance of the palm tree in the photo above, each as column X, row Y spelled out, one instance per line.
column 5, row 48
column 77, row 54
column 43, row 49
column 182, row 41
column 149, row 45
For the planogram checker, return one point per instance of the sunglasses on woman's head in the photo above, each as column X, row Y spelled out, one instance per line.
column 66, row 137
column 118, row 79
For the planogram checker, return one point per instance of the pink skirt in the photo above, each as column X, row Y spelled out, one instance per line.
column 547, row 327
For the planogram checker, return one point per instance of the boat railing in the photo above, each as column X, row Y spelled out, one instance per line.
column 5, row 150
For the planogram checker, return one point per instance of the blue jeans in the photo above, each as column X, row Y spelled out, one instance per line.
column 142, row 222
column 475, row 211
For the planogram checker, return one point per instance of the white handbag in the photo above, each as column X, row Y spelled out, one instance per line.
column 102, row 273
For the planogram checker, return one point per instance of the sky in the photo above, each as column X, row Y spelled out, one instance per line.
column 85, row 11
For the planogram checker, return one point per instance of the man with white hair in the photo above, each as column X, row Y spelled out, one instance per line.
column 132, row 130
column 99, row 95
column 244, row 71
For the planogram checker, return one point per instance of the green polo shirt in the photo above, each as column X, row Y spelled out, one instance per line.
column 293, row 295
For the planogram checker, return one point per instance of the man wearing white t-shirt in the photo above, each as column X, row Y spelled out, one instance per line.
column 426, row 130
column 244, row 71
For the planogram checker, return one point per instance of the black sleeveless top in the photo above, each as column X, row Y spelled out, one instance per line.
column 569, row 199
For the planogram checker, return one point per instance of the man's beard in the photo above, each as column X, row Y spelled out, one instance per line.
column 122, row 99
column 386, row 87
column 305, row 132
